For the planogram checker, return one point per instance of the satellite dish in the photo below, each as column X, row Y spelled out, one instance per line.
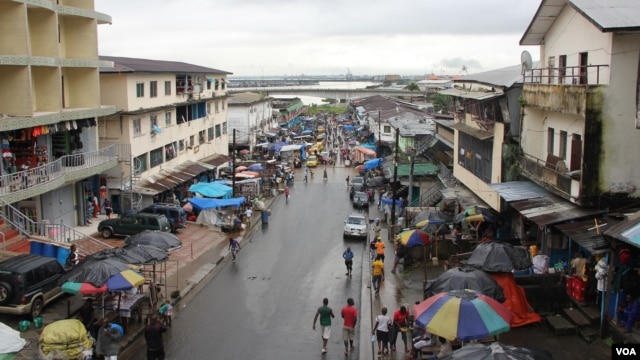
column 526, row 61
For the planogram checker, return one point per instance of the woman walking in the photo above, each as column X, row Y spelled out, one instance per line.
column 381, row 330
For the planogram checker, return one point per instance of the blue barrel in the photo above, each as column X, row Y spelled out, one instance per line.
column 49, row 250
column 36, row 248
column 265, row 216
column 62, row 255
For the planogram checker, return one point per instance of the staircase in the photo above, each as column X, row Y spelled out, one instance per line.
column 579, row 318
column 18, row 230
column 129, row 192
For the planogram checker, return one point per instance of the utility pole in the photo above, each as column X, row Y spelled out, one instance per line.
column 412, row 160
column 379, row 154
column 393, row 198
column 233, row 166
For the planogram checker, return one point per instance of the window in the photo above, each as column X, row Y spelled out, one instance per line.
column 167, row 87
column 218, row 131
column 217, row 107
column 208, row 85
column 562, row 68
column 153, row 122
column 563, row 145
column 180, row 145
column 140, row 163
column 386, row 129
column 550, row 144
column 210, row 134
column 156, row 157
column 140, row 90
column 208, row 108
column 201, row 137
column 136, row 126
column 223, row 105
column 153, row 89
column 224, row 128
column 167, row 118
column 475, row 156
column 217, row 84
column 192, row 140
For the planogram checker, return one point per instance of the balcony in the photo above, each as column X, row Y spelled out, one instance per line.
column 65, row 170
column 566, row 90
column 552, row 176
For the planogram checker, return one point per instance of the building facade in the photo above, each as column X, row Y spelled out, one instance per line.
column 249, row 114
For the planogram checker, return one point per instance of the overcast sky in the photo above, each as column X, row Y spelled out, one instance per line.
column 321, row 37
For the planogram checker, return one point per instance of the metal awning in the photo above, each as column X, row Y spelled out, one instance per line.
column 585, row 233
column 627, row 230
column 269, row 134
column 475, row 95
column 215, row 160
column 169, row 179
column 472, row 131
column 551, row 210
column 519, row 190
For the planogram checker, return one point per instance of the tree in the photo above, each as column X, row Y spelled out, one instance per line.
column 412, row 86
column 442, row 102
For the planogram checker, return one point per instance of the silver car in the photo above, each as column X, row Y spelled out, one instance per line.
column 356, row 225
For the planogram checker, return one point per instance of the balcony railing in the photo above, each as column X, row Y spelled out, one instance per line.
column 57, row 170
column 540, row 171
column 570, row 75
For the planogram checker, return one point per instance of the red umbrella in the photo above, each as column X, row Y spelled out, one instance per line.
column 244, row 151
column 241, row 168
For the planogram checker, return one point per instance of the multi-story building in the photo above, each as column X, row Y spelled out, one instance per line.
column 49, row 102
column 249, row 114
column 170, row 122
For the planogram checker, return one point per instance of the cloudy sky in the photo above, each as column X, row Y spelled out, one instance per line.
column 320, row 37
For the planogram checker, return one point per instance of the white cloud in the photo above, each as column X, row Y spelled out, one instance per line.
column 277, row 37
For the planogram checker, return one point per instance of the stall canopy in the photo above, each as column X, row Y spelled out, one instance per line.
column 372, row 164
column 202, row 203
column 212, row 190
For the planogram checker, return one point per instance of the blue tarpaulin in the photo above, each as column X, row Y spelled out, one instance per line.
column 212, row 190
column 199, row 203
column 387, row 200
column 348, row 128
column 277, row 146
column 305, row 132
column 372, row 164
column 369, row 146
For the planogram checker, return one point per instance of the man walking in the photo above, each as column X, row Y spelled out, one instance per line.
column 234, row 247
column 378, row 274
column 325, row 313
column 153, row 336
column 347, row 255
column 350, row 315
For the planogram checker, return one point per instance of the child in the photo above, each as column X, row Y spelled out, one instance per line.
column 166, row 311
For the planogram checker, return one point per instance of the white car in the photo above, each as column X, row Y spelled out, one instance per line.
column 356, row 225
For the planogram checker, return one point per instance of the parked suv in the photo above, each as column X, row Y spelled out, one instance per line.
column 176, row 214
column 132, row 224
column 27, row 283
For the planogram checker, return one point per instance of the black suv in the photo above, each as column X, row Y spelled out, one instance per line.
column 29, row 282
column 176, row 215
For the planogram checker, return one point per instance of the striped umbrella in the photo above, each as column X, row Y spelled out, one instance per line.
column 121, row 281
column 414, row 237
column 462, row 314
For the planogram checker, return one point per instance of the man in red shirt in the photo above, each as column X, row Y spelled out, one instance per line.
column 401, row 326
column 350, row 316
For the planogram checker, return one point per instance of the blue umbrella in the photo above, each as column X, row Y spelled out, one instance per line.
column 372, row 164
column 255, row 167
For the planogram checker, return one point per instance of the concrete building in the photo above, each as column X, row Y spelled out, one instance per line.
column 170, row 124
column 49, row 102
column 250, row 114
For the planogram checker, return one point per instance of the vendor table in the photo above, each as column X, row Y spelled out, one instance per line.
column 127, row 305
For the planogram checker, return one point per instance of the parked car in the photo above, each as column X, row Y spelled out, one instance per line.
column 28, row 283
column 355, row 188
column 133, row 224
column 356, row 225
column 360, row 200
column 175, row 213
column 312, row 161
column 357, row 180
column 325, row 158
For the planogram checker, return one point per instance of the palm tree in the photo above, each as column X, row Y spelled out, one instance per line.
column 412, row 86
column 442, row 102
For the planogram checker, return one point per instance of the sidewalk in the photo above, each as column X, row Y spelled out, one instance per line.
column 203, row 249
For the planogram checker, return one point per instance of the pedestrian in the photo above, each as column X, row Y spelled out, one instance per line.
column 153, row 336
column 89, row 210
column 380, row 248
column 96, row 207
column 102, row 341
column 350, row 315
column 111, row 342
column 87, row 313
column 400, row 252
column 376, row 228
column 381, row 330
column 108, row 207
column 578, row 264
column 247, row 215
column 348, row 255
column 445, row 349
column 234, row 247
column 400, row 325
column 377, row 274
column 348, row 179
column 74, row 257
column 325, row 313
column 166, row 312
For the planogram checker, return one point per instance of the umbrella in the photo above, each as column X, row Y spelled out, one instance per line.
column 476, row 213
column 462, row 314
column 372, row 164
column 427, row 222
column 121, row 281
column 255, row 167
column 497, row 256
column 241, row 168
column 466, row 277
column 94, row 271
column 162, row 240
column 244, row 151
column 498, row 351
column 147, row 253
column 411, row 238
column 119, row 254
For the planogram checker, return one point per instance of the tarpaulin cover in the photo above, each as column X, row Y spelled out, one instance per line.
column 496, row 256
column 10, row 340
column 68, row 336
column 95, row 272
column 461, row 278
column 516, row 300
column 212, row 190
column 372, row 164
column 162, row 240
column 202, row 203
column 498, row 351
column 387, row 200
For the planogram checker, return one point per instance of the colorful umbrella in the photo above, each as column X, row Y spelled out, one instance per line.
column 94, row 271
column 255, row 167
column 462, row 314
column 244, row 151
column 414, row 237
column 124, row 280
column 423, row 223
column 241, row 168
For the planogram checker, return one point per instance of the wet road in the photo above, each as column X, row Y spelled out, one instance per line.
column 265, row 302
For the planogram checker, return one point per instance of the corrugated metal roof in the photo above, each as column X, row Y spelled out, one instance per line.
column 606, row 15
column 170, row 178
column 519, row 190
column 128, row 65
column 216, row 159
column 472, row 131
column 246, row 98
column 476, row 95
column 550, row 210
column 504, row 77
column 584, row 233
column 627, row 230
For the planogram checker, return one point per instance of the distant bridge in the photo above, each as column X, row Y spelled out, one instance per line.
column 327, row 93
